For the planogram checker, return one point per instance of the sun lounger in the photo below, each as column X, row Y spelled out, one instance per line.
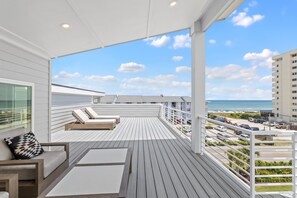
column 85, row 123
column 93, row 115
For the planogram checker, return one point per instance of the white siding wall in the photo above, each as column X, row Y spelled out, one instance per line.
column 63, row 100
column 63, row 114
column 128, row 110
column 17, row 64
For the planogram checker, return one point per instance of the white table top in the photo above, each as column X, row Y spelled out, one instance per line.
column 88, row 180
column 102, row 156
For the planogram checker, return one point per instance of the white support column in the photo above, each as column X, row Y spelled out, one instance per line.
column 198, row 83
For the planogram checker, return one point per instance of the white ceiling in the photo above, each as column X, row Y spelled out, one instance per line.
column 101, row 23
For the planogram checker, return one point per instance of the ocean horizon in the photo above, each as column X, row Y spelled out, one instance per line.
column 239, row 105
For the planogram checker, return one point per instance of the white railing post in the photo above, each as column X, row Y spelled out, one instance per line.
column 294, row 173
column 162, row 115
column 203, row 134
column 252, row 166
column 168, row 114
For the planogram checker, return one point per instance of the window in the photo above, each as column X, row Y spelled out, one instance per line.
column 15, row 105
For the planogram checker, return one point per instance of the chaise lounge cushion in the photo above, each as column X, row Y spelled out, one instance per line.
column 52, row 160
column 94, row 115
column 103, row 121
column 80, row 116
column 5, row 153
column 24, row 146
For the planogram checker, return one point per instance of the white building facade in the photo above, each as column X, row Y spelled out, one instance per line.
column 284, row 86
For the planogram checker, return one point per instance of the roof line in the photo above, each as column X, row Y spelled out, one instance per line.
column 77, row 88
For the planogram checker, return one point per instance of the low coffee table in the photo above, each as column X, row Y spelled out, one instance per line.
column 98, row 173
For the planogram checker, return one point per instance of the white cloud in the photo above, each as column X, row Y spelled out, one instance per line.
column 253, row 3
column 101, row 78
column 182, row 69
column 263, row 58
column 228, row 43
column 131, row 67
column 63, row 74
column 232, row 72
column 238, row 92
column 160, row 84
column 177, row 58
column 266, row 79
column 158, row 41
column 182, row 41
column 244, row 20
column 212, row 41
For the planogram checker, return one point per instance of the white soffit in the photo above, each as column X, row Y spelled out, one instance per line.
column 100, row 23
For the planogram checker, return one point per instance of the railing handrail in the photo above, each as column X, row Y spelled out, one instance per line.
column 247, row 131
column 228, row 154
column 184, row 112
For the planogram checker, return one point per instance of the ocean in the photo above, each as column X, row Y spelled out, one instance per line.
column 239, row 105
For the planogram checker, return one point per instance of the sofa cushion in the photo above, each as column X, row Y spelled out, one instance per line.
column 24, row 146
column 52, row 160
column 4, row 195
column 5, row 153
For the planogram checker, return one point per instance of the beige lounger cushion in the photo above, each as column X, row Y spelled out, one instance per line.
column 80, row 116
column 94, row 115
column 52, row 159
column 103, row 121
column 83, row 118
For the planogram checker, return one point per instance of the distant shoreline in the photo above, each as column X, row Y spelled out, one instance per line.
column 230, row 106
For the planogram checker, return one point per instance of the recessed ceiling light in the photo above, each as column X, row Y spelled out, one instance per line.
column 65, row 25
column 173, row 3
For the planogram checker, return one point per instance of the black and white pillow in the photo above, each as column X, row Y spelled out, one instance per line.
column 24, row 146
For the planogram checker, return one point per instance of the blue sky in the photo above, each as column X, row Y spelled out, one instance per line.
column 238, row 57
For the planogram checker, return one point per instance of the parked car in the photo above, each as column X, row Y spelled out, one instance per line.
column 245, row 126
column 255, row 129
column 223, row 136
column 261, row 121
column 221, row 119
column 244, row 137
column 209, row 139
column 189, row 122
column 281, row 126
column 221, row 128
column 251, row 119
column 267, row 123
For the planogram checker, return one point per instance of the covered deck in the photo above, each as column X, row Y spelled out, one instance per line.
column 163, row 164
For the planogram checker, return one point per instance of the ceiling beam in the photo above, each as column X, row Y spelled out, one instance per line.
column 18, row 41
column 85, row 23
column 148, row 19
column 218, row 10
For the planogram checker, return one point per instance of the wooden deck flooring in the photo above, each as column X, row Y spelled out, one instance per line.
column 162, row 162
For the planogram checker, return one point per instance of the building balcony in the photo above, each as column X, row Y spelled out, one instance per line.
column 163, row 164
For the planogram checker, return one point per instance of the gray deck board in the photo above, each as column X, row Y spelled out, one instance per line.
column 162, row 162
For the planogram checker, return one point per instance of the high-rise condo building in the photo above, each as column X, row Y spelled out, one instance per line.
column 284, row 86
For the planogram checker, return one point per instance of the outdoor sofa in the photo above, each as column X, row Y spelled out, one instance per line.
column 35, row 174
